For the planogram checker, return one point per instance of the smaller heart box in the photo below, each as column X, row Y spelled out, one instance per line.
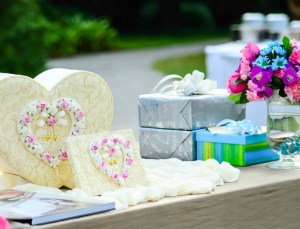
column 105, row 161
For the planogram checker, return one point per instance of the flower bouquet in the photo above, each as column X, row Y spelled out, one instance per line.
column 272, row 73
column 265, row 71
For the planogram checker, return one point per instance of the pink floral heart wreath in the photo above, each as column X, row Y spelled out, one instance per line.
column 49, row 114
column 108, row 152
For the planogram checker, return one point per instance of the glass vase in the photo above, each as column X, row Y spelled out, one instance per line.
column 283, row 131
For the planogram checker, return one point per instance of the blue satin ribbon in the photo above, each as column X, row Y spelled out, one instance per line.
column 240, row 127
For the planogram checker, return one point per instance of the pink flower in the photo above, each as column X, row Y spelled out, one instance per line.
column 64, row 104
column 293, row 91
column 252, row 96
column 125, row 175
column 4, row 224
column 47, row 156
column 115, row 140
column 127, row 143
column 250, row 51
column 26, row 119
column 234, row 87
column 41, row 106
column 30, row 139
column 95, row 148
column 51, row 121
column 103, row 164
column 63, row 155
column 279, row 73
column 244, row 68
column 104, row 141
column 129, row 161
column 112, row 150
column 295, row 57
column 115, row 176
column 80, row 114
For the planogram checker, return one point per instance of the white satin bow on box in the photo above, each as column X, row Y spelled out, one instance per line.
column 190, row 84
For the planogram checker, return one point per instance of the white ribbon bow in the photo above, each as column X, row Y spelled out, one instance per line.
column 190, row 84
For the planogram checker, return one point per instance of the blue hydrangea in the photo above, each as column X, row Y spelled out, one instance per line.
column 263, row 62
column 266, row 51
column 279, row 62
column 279, row 50
column 272, row 44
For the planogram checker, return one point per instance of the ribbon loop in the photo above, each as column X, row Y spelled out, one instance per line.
column 243, row 127
column 189, row 84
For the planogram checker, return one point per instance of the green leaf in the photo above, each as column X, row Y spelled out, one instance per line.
column 282, row 92
column 239, row 80
column 239, row 98
column 287, row 45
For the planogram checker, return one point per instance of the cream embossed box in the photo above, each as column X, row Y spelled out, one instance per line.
column 106, row 161
column 36, row 115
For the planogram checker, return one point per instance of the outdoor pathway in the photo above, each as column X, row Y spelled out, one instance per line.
column 128, row 74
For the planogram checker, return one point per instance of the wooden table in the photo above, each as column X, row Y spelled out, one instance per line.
column 262, row 198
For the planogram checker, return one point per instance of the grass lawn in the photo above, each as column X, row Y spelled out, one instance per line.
column 181, row 65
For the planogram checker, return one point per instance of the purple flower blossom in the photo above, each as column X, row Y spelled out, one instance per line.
column 289, row 76
column 264, row 91
column 260, row 77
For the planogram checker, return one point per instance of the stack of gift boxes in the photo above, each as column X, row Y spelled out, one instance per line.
column 174, row 127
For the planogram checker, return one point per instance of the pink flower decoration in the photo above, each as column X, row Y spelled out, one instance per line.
column 64, row 104
column 279, row 73
column 250, row 51
column 115, row 140
column 26, row 119
column 104, row 141
column 112, row 150
column 252, row 96
column 293, row 91
column 103, row 164
column 4, row 224
column 51, row 121
column 47, row 156
column 234, row 87
column 245, row 68
column 30, row 139
column 129, row 161
column 295, row 57
column 80, row 114
column 41, row 106
column 125, row 175
column 127, row 143
column 115, row 176
column 95, row 148
column 63, row 155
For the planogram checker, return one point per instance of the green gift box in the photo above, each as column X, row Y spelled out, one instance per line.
column 241, row 150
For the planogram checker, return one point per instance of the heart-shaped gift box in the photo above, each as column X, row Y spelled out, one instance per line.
column 36, row 115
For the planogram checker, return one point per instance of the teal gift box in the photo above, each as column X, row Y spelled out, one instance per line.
column 241, row 150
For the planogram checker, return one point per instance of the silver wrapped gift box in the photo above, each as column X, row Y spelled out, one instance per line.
column 163, row 144
column 186, row 112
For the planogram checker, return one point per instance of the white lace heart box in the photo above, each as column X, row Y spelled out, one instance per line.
column 106, row 161
column 37, row 115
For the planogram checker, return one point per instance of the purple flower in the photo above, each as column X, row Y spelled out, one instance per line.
column 260, row 77
column 264, row 91
column 289, row 76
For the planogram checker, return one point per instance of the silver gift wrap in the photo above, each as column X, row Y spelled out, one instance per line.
column 186, row 112
column 163, row 144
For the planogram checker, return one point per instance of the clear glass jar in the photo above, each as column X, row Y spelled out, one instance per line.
column 283, row 131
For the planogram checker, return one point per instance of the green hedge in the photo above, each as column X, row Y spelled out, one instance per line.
column 28, row 38
column 75, row 34
column 23, row 46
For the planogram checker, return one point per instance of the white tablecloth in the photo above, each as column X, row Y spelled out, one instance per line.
column 221, row 61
